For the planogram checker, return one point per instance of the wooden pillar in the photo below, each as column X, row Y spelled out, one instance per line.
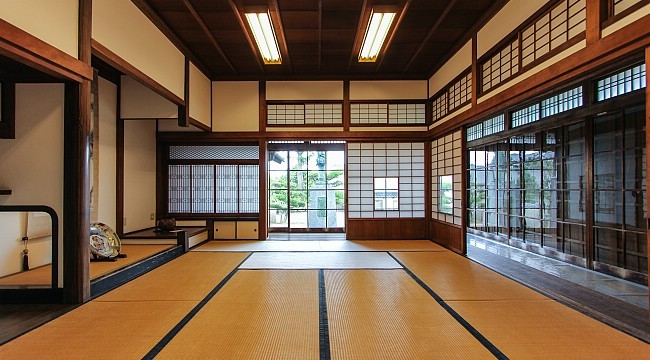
column 262, row 105
column 596, row 13
column 346, row 106
column 647, row 141
column 76, row 182
column 184, row 110
column 263, row 218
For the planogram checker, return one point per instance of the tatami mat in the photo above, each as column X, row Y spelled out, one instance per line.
column 366, row 245
column 189, row 277
column 43, row 275
column 320, row 260
column 100, row 330
column 454, row 277
column 256, row 315
column 387, row 315
column 529, row 329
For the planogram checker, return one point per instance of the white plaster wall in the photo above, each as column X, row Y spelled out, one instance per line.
column 55, row 22
column 121, row 27
column 32, row 167
column 200, row 107
column 140, row 102
column 304, row 90
column 388, row 90
column 106, row 204
column 139, row 174
column 235, row 106
column 513, row 14
column 451, row 69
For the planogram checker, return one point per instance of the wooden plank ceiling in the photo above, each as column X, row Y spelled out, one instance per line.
column 319, row 36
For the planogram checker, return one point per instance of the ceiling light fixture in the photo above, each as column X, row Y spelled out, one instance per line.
column 267, row 42
column 376, row 32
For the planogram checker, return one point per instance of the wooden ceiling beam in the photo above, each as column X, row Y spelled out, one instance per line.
column 251, row 41
column 208, row 33
column 403, row 11
column 434, row 28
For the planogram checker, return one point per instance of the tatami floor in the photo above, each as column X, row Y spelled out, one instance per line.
column 322, row 300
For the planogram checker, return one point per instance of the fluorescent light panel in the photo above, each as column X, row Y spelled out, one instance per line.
column 265, row 38
column 376, row 32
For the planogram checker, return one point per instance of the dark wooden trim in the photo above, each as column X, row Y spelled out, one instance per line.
column 434, row 28
column 276, row 20
column 647, row 138
column 192, row 121
column 463, row 187
column 25, row 48
column 594, row 19
column 236, row 137
column 162, row 154
column 112, row 59
column 623, row 42
column 5, row 192
column 151, row 14
column 346, row 105
column 364, row 17
column 263, row 108
column 428, row 188
column 208, row 34
column 119, row 169
column 110, row 281
column 184, row 110
column 609, row 11
column 447, row 235
column 263, row 192
column 8, row 106
column 76, row 193
column 386, row 229
column 298, row 102
column 249, row 36
column 391, row 33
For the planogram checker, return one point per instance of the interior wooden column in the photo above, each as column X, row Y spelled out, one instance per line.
column 76, row 182
column 647, row 140
column 263, row 194
column 595, row 10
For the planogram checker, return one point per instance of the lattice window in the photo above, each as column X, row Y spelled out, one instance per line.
column 501, row 66
column 494, row 125
column 446, row 167
column 562, row 102
column 525, row 116
column 179, row 189
column 249, row 188
column 622, row 5
column 475, row 132
column 460, row 92
column 182, row 152
column 488, row 127
column 407, row 114
column 623, row 82
column 369, row 113
column 388, row 113
column 542, row 37
column 305, row 114
column 439, row 106
column 202, row 189
column 227, row 180
column 553, row 29
column 369, row 161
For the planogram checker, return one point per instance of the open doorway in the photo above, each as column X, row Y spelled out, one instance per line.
column 306, row 182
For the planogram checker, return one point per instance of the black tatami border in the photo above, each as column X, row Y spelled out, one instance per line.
column 323, row 324
column 472, row 330
column 176, row 329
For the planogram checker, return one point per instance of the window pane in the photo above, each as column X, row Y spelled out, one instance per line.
column 446, row 194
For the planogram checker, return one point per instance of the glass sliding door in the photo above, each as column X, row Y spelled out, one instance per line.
column 306, row 190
